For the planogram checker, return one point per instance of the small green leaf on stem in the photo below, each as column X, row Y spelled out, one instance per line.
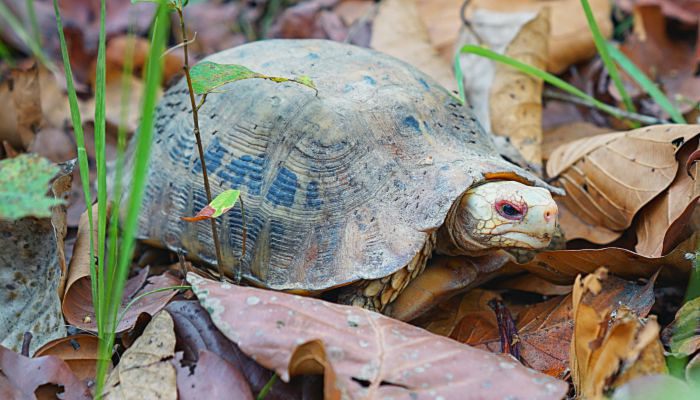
column 24, row 182
column 207, row 76
column 222, row 203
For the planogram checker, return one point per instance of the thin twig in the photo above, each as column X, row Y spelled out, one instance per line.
column 195, row 119
column 177, row 46
column 619, row 113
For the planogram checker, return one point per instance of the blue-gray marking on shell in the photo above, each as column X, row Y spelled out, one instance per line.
column 212, row 155
column 412, row 122
column 283, row 188
column 312, row 197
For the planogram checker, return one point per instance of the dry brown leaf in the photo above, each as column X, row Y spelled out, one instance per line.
column 20, row 377
column 78, row 351
column 213, row 378
column 565, row 133
column 609, row 178
column 26, row 95
column 371, row 355
column 145, row 370
column 663, row 223
column 687, row 11
column 609, row 348
column 534, row 284
column 398, row 31
column 77, row 305
column 570, row 40
column 195, row 333
column 543, row 329
column 562, row 266
column 516, row 98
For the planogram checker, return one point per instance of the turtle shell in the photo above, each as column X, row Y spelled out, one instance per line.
column 340, row 185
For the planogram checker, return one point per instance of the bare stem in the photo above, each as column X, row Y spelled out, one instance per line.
column 618, row 113
column 195, row 119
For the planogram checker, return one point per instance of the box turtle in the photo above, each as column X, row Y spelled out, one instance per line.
column 351, row 188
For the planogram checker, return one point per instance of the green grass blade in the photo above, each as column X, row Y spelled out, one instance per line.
column 460, row 78
column 101, row 162
column 141, row 157
column 545, row 76
column 127, row 72
column 79, row 139
column 600, row 44
column 19, row 30
column 31, row 13
column 650, row 87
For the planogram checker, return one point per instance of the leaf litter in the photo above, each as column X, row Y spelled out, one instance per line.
column 652, row 232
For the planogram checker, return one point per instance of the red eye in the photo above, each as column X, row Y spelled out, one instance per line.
column 510, row 210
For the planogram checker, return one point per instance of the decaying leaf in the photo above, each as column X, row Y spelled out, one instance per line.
column 223, row 202
column 213, row 378
column 145, row 370
column 543, row 329
column 397, row 30
column 609, row 348
column 663, row 222
column 562, row 266
column 196, row 333
column 26, row 95
column 516, row 98
column 79, row 352
column 20, row 377
column 77, row 304
column 24, row 182
column 30, row 268
column 371, row 355
column 609, row 178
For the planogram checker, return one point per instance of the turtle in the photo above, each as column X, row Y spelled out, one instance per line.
column 348, row 189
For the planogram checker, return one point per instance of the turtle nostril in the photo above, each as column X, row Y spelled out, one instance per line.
column 550, row 213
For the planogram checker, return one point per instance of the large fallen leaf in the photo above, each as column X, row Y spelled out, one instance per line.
column 543, row 329
column 663, row 222
column 397, row 30
column 77, row 305
column 20, row 377
column 562, row 266
column 145, row 370
column 516, row 98
column 370, row 355
column 213, row 378
column 196, row 333
column 30, row 268
column 566, row 133
column 609, row 178
column 609, row 347
column 569, row 41
column 26, row 95
column 78, row 351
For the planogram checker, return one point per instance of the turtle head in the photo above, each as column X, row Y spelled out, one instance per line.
column 503, row 214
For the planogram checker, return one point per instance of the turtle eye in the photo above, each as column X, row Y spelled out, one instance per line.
column 509, row 210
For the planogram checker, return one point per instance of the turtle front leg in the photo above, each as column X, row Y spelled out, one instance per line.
column 443, row 278
column 377, row 294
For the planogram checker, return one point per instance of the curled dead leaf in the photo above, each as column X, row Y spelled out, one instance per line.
column 370, row 354
column 562, row 266
column 609, row 348
column 78, row 351
column 20, row 377
column 610, row 177
column 213, row 378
